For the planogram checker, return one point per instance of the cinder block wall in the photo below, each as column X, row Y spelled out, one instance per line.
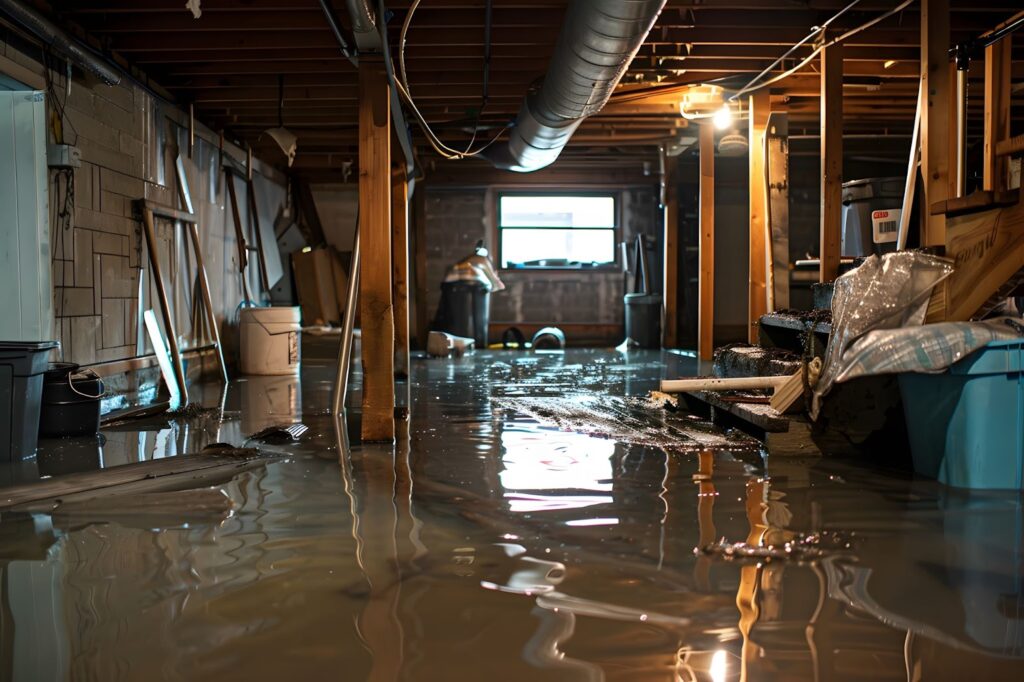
column 457, row 217
column 129, row 140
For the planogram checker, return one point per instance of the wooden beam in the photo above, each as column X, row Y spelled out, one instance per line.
column 997, row 113
column 936, row 123
column 670, row 213
column 778, row 204
column 831, row 162
column 400, row 267
column 706, row 246
column 757, row 302
column 378, row 325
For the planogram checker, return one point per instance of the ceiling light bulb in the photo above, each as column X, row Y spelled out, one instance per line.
column 723, row 118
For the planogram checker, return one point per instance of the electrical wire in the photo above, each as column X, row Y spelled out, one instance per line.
column 402, row 86
column 817, row 50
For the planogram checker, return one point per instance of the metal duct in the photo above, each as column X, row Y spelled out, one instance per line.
column 598, row 41
column 48, row 32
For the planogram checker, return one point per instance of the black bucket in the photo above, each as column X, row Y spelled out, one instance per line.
column 71, row 401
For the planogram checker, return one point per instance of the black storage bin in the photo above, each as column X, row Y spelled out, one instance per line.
column 465, row 310
column 643, row 319
column 21, row 387
column 71, row 401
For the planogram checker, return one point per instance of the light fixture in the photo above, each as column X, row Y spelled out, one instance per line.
column 723, row 117
column 284, row 138
column 700, row 101
column 889, row 63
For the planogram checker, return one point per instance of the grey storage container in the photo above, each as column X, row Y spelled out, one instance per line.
column 22, row 365
column 871, row 215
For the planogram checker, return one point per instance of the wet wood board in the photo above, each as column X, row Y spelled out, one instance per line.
column 174, row 473
column 633, row 421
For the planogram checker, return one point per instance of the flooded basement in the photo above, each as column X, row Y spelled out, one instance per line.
column 507, row 536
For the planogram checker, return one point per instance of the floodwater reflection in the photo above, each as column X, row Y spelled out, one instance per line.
column 485, row 545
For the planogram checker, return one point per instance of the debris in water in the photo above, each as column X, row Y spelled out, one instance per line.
column 193, row 411
column 660, row 400
column 280, row 434
column 627, row 420
column 808, row 547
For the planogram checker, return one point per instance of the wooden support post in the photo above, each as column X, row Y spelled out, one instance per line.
column 400, row 267
column 757, row 302
column 706, row 245
column 670, row 202
column 831, row 162
column 378, row 324
column 936, row 124
column 778, row 204
column 997, row 112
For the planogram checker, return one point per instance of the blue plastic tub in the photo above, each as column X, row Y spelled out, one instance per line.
column 966, row 425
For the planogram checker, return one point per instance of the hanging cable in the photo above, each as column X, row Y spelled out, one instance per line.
column 753, row 85
column 402, row 85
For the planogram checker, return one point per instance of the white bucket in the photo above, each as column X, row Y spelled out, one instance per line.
column 269, row 338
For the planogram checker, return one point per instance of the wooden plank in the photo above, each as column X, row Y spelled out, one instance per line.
column 997, row 113
column 1011, row 146
column 936, row 122
column 670, row 214
column 378, row 324
column 831, row 224
column 143, row 205
column 987, row 249
column 757, row 301
column 778, row 204
column 706, row 246
column 400, row 266
column 165, row 308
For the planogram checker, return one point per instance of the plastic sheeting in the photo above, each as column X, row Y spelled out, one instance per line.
column 884, row 293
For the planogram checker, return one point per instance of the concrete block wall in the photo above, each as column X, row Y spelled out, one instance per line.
column 456, row 218
column 129, row 140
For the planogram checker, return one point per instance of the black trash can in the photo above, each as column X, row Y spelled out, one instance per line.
column 21, row 388
column 71, row 401
column 643, row 320
column 465, row 310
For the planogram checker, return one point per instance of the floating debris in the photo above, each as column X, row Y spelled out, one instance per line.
column 810, row 547
column 194, row 411
column 280, row 434
column 627, row 420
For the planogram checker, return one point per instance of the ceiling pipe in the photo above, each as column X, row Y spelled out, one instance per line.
column 49, row 33
column 595, row 47
column 364, row 25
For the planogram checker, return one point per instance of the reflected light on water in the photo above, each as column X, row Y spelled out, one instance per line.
column 719, row 666
column 536, row 458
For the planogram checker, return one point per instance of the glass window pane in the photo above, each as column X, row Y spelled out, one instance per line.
column 574, row 246
column 557, row 211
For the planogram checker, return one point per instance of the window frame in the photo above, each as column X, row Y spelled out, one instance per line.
column 616, row 229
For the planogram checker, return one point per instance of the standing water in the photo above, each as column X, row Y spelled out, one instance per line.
column 536, row 520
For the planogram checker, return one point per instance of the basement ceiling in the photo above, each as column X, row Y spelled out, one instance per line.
column 231, row 60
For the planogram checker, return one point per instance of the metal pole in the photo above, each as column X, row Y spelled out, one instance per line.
column 963, row 62
column 347, row 327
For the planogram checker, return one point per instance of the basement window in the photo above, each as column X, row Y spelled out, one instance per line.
column 556, row 231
